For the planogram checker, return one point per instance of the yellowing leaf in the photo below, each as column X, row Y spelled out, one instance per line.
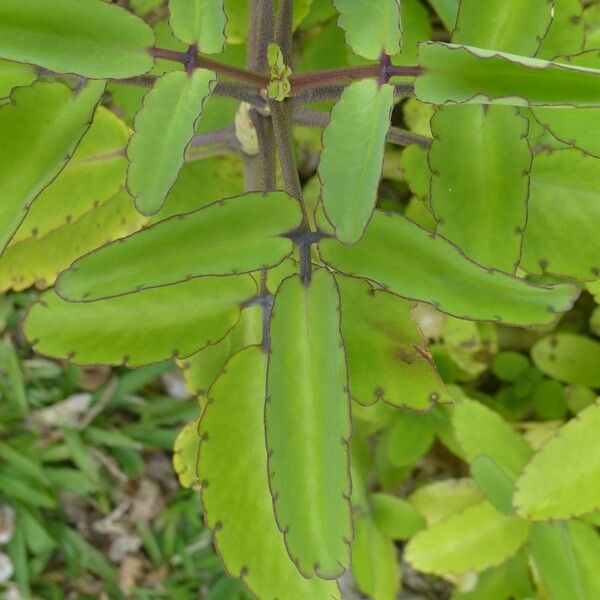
column 235, row 488
column 185, row 455
column 473, row 540
column 41, row 128
column 94, row 175
column 139, row 328
column 560, row 481
column 39, row 260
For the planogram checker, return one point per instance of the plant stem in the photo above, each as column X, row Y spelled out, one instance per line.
column 400, row 137
column 259, row 170
column 245, row 76
column 219, row 137
column 260, row 34
column 317, row 79
column 239, row 91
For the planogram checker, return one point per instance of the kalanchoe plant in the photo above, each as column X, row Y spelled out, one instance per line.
column 290, row 311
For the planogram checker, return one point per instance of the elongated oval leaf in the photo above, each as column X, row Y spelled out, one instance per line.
column 41, row 128
column 241, row 234
column 375, row 565
column 547, row 490
column 372, row 28
column 475, row 539
column 504, row 25
column 235, row 488
column 94, row 174
column 307, row 419
column 39, row 260
column 387, row 354
column 482, row 432
column 570, row 358
column 566, row 558
column 564, row 212
column 163, row 129
column 139, row 328
column 89, row 37
column 462, row 74
column 350, row 171
column 480, row 181
column 200, row 22
column 415, row 264
column 494, row 482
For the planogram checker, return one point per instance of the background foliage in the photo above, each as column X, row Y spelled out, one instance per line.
column 477, row 479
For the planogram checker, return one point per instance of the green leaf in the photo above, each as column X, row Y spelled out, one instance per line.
column 39, row 260
column 414, row 264
column 202, row 369
column 89, row 37
column 509, row 366
column 93, row 176
column 14, row 75
column 185, row 455
column 235, row 487
column 163, row 129
column 567, row 31
column 409, row 438
column 139, row 328
column 566, row 558
column 474, row 540
column 494, row 482
column 480, row 180
column 387, row 354
column 577, row 128
column 200, row 182
column 375, row 565
column 447, row 11
column 570, row 358
column 482, row 432
column 41, row 128
column 307, row 418
column 560, row 481
column 395, row 517
column 371, row 29
column 350, row 172
column 438, row 500
column 415, row 169
column 503, row 25
column 231, row 236
column 463, row 74
column 200, row 22
column 563, row 212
